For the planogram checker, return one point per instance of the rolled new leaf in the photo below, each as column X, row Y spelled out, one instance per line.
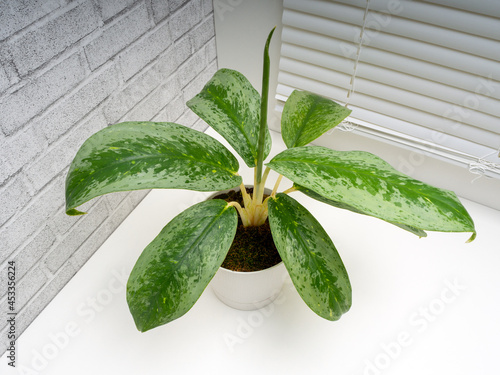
column 345, row 206
column 263, row 128
column 175, row 268
column 148, row 155
column 310, row 257
column 369, row 184
column 230, row 105
column 306, row 116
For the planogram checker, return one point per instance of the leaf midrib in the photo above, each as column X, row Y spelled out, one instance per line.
column 349, row 207
column 302, row 126
column 236, row 119
column 132, row 158
column 189, row 248
column 300, row 238
column 371, row 176
column 321, row 270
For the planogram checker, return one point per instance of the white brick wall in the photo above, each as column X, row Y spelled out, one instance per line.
column 67, row 69
column 37, row 93
column 34, row 47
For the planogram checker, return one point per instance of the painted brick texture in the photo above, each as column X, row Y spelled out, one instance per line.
column 69, row 68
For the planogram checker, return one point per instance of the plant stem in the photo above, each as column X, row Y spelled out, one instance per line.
column 260, row 194
column 276, row 185
column 243, row 213
column 255, row 185
column 246, row 197
column 288, row 191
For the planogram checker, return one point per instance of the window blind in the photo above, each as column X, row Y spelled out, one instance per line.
column 422, row 74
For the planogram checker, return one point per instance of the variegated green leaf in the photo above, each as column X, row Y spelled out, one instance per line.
column 175, row 268
column 306, row 116
column 230, row 105
column 148, row 155
column 310, row 257
column 369, row 184
column 345, row 206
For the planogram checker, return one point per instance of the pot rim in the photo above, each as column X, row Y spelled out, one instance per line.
column 251, row 272
column 236, row 188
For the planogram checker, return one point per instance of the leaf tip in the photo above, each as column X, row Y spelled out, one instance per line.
column 270, row 36
column 472, row 238
column 422, row 234
column 74, row 212
column 142, row 329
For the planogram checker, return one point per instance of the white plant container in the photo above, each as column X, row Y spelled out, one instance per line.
column 249, row 290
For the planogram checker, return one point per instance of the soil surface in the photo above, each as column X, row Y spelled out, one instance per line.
column 253, row 248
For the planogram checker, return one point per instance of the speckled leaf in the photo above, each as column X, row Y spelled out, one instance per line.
column 369, row 184
column 230, row 105
column 175, row 268
column 148, row 155
column 306, row 116
column 345, row 206
column 310, row 257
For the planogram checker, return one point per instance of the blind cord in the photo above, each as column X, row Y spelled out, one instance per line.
column 347, row 125
column 358, row 52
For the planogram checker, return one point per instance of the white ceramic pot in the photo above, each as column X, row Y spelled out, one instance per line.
column 249, row 290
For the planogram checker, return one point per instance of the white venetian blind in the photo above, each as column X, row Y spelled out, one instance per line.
column 424, row 74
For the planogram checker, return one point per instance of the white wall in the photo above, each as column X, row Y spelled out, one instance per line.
column 241, row 29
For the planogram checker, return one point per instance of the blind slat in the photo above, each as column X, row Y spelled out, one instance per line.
column 485, row 7
column 441, row 56
column 453, row 39
column 436, row 73
column 318, row 42
column 426, row 119
column 433, row 90
column 327, row 27
column 451, row 17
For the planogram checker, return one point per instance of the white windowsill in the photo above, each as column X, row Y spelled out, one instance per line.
column 405, row 317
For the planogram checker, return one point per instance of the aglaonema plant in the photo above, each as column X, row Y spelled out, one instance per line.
column 175, row 268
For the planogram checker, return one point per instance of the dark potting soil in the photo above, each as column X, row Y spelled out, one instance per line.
column 253, row 248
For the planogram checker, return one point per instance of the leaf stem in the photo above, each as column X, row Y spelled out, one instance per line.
column 259, row 194
column 247, row 199
column 290, row 190
column 255, row 186
column 276, row 185
column 243, row 213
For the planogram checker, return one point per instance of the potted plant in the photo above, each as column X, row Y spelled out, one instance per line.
column 175, row 268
